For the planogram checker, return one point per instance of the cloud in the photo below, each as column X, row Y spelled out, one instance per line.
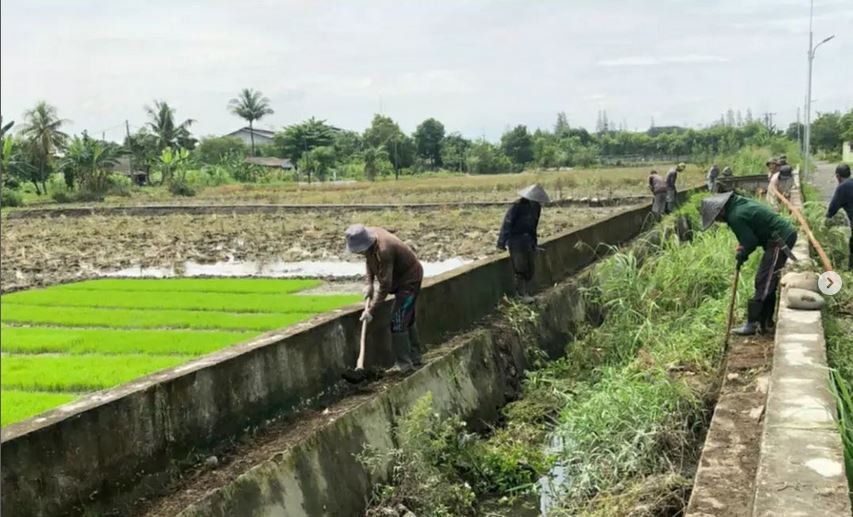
column 687, row 59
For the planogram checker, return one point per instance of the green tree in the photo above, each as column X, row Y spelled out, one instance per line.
column 298, row 139
column 517, row 145
column 143, row 149
column 168, row 132
column 826, row 132
column 846, row 124
column 483, row 157
column 318, row 162
column 375, row 160
column 41, row 130
column 428, row 137
column 453, row 149
column 90, row 162
column 212, row 150
column 384, row 132
column 250, row 105
column 347, row 145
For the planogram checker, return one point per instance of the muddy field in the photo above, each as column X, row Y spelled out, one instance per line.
column 45, row 251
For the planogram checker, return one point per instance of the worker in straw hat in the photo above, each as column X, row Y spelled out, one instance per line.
column 754, row 224
column 519, row 234
column 397, row 271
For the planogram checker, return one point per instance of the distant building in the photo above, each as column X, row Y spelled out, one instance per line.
column 270, row 161
column 262, row 136
column 138, row 176
column 847, row 152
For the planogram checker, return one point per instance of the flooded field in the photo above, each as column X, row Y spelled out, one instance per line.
column 46, row 251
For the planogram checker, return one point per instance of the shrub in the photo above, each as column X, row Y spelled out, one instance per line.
column 11, row 198
column 62, row 196
column 213, row 150
column 119, row 185
column 181, row 188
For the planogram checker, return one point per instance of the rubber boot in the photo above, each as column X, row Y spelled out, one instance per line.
column 402, row 353
column 524, row 291
column 415, row 342
column 753, row 316
column 768, row 325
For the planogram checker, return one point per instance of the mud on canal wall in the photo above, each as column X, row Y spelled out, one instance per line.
column 112, row 447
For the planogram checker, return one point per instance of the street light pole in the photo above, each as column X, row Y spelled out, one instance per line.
column 808, row 124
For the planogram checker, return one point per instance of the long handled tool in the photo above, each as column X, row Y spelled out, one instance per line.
column 731, row 309
column 827, row 265
column 360, row 374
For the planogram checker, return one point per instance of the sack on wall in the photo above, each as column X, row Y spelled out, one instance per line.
column 804, row 280
column 804, row 299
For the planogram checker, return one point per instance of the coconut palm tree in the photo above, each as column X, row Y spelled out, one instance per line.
column 250, row 105
column 91, row 162
column 41, row 130
column 169, row 134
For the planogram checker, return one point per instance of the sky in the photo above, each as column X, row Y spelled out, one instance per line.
column 479, row 67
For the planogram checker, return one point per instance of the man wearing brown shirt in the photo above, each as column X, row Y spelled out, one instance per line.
column 397, row 270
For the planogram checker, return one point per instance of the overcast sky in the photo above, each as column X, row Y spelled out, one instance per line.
column 478, row 66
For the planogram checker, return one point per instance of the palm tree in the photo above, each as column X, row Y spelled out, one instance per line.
column 91, row 162
column 41, row 130
column 250, row 105
column 163, row 125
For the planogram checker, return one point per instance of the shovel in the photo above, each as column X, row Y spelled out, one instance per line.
column 731, row 309
column 359, row 374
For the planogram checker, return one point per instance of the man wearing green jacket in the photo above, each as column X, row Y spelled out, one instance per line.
column 755, row 225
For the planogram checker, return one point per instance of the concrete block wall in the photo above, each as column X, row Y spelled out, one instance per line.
column 801, row 463
column 124, row 443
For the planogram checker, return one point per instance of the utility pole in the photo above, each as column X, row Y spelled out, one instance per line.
column 129, row 155
column 799, row 135
column 808, row 128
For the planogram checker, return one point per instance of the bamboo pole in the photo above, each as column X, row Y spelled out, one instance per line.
column 827, row 266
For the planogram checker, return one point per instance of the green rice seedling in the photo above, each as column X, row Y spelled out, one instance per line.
column 191, row 300
column 34, row 340
column 78, row 372
column 128, row 318
column 844, row 398
column 19, row 405
column 205, row 285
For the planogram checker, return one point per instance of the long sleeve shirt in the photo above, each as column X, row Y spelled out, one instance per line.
column 656, row 184
column 394, row 265
column 713, row 173
column 842, row 199
column 520, row 225
column 755, row 224
column 671, row 177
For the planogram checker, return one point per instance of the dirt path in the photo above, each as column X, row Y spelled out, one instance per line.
column 725, row 479
column 824, row 179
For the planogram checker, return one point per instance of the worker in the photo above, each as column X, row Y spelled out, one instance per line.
column 519, row 234
column 724, row 183
column 783, row 160
column 671, row 192
column 843, row 199
column 711, row 178
column 754, row 224
column 782, row 181
column 772, row 166
column 397, row 270
column 657, row 186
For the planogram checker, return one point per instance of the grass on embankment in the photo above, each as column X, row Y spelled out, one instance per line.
column 19, row 405
column 35, row 340
column 628, row 404
column 79, row 372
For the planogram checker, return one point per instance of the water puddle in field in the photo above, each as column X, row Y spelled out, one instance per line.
column 275, row 269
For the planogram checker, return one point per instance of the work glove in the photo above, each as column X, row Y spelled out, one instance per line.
column 501, row 248
column 740, row 255
column 367, row 291
column 366, row 316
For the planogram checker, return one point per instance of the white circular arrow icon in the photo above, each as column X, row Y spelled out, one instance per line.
column 829, row 283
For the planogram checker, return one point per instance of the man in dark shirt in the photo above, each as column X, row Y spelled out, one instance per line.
column 397, row 270
column 843, row 199
column 519, row 233
column 754, row 224
column 671, row 191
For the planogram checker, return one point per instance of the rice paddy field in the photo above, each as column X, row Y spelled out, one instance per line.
column 61, row 342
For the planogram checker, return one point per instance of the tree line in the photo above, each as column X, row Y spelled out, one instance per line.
column 169, row 153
